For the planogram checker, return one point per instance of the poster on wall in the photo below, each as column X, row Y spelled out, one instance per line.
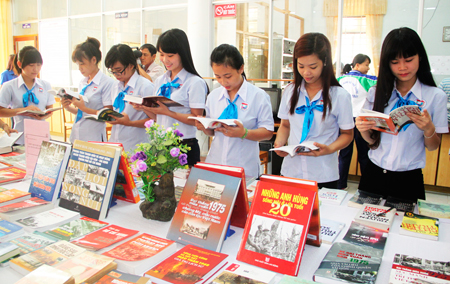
column 54, row 48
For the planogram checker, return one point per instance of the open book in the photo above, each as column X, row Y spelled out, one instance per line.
column 393, row 122
column 103, row 115
column 7, row 142
column 40, row 112
column 304, row 147
column 151, row 101
column 211, row 123
column 67, row 94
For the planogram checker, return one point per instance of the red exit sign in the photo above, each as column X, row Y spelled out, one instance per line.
column 226, row 10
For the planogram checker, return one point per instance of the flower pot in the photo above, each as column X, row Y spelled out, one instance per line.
column 164, row 205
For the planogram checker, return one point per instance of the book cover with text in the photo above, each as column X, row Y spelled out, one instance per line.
column 104, row 237
column 76, row 228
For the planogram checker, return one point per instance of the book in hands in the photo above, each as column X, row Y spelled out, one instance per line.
column 304, row 147
column 152, row 101
column 68, row 94
column 103, row 115
column 39, row 112
column 7, row 142
column 211, row 123
column 393, row 122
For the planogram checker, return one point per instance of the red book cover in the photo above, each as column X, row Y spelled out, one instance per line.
column 241, row 208
column 104, row 237
column 32, row 202
column 11, row 194
column 275, row 233
column 125, row 188
column 313, row 238
column 11, row 174
column 139, row 248
column 189, row 265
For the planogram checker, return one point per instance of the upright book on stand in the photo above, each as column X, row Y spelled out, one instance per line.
column 241, row 207
column 89, row 180
column 49, row 170
column 203, row 212
column 275, row 233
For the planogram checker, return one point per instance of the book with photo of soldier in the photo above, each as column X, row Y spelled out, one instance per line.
column 89, row 180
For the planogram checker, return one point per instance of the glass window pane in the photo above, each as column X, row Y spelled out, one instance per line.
column 295, row 28
column 53, row 8
column 78, row 7
column 278, row 24
column 124, row 30
column 158, row 21
column 25, row 10
column 119, row 5
column 19, row 29
column 152, row 3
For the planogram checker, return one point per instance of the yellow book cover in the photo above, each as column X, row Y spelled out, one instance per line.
column 420, row 224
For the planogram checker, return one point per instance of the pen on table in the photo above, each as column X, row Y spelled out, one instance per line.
column 383, row 213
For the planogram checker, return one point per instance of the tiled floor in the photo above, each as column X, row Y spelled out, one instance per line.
column 431, row 196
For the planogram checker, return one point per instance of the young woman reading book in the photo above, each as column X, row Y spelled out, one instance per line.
column 95, row 86
column 182, row 84
column 396, row 161
column 236, row 99
column 27, row 91
column 314, row 108
column 129, row 129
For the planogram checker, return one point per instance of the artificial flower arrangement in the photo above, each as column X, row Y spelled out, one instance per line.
column 163, row 154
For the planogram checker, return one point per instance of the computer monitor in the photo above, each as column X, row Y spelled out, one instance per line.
column 275, row 99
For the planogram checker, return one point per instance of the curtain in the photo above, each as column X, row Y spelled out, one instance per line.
column 373, row 32
column 6, row 47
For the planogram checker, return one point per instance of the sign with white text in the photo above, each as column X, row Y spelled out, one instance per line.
column 226, row 10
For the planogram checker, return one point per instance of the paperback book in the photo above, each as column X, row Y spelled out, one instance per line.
column 38, row 112
column 11, row 174
column 76, row 228
column 377, row 216
column 361, row 197
column 50, row 255
column 9, row 230
column 349, row 263
column 104, row 115
column 138, row 254
column 305, row 147
column 330, row 229
column 211, row 123
column 203, row 212
column 275, row 233
column 359, row 234
column 48, row 219
column 104, row 237
column 32, row 241
column 9, row 196
column 49, row 170
column 242, row 273
column 332, row 196
column 8, row 250
column 22, row 209
column 432, row 209
column 7, row 142
column 152, row 101
column 189, row 265
column 393, row 122
column 400, row 204
column 118, row 277
column 46, row 274
column 89, row 180
column 412, row 269
column 420, row 226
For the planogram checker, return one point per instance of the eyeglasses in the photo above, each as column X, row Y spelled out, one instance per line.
column 116, row 73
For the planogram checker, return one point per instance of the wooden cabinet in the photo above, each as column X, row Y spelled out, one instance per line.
column 443, row 169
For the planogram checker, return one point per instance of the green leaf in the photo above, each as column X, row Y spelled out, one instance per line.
column 161, row 159
column 168, row 142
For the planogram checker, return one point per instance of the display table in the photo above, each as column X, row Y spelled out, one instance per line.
column 129, row 216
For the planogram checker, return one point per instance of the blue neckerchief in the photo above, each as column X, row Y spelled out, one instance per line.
column 29, row 95
column 119, row 103
column 230, row 112
column 79, row 112
column 309, row 115
column 403, row 102
column 166, row 89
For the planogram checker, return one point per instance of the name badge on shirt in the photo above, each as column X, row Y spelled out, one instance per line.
column 244, row 106
column 131, row 93
column 41, row 90
column 420, row 103
column 94, row 89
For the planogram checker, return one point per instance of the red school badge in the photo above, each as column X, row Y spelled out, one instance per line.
column 41, row 90
column 94, row 89
column 244, row 106
column 420, row 103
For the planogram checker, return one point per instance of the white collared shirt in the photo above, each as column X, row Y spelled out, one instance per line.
column 12, row 94
column 191, row 94
column 255, row 111
column 324, row 168
column 129, row 136
column 99, row 96
column 406, row 151
column 154, row 71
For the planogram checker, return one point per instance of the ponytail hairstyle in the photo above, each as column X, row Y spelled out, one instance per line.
column 176, row 41
column 347, row 68
column 318, row 44
column 358, row 59
column 88, row 49
column 27, row 55
column 122, row 53
column 227, row 55
column 399, row 43
column 10, row 65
